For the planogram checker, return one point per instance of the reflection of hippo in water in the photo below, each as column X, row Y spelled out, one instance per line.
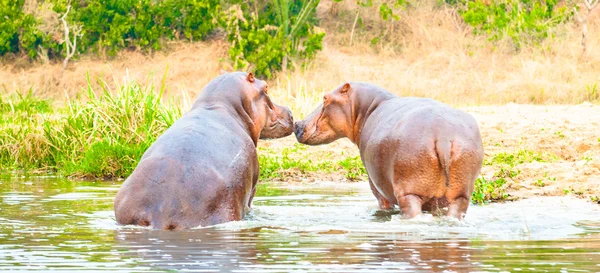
column 419, row 153
column 203, row 170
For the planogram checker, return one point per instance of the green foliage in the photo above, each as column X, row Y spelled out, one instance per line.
column 519, row 157
column 99, row 136
column 264, row 35
column 385, row 11
column 18, row 31
column 523, row 21
column 20, row 105
column 273, row 165
column 22, row 145
column 109, row 25
column 353, row 167
column 106, row 135
column 492, row 190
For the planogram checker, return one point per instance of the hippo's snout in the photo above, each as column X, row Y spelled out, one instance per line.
column 299, row 130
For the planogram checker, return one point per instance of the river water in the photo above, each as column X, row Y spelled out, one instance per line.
column 54, row 224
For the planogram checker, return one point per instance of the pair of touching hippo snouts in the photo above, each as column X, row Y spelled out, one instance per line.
column 203, row 169
column 419, row 154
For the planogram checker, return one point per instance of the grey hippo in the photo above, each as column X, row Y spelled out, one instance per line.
column 203, row 170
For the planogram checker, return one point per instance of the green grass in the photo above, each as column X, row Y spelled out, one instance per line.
column 519, row 157
column 275, row 164
column 22, row 142
column 489, row 190
column 95, row 135
column 104, row 133
column 494, row 188
column 354, row 168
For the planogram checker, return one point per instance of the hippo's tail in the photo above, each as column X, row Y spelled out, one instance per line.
column 443, row 150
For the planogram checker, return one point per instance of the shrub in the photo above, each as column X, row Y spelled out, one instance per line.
column 279, row 32
column 523, row 21
column 110, row 25
column 19, row 33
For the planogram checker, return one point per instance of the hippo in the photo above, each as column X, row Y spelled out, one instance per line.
column 420, row 154
column 203, row 170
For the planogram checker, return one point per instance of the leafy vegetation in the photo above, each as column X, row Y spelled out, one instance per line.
column 265, row 36
column 99, row 136
column 266, row 40
column 523, row 21
column 519, row 157
column 494, row 188
column 110, row 25
column 19, row 34
column 274, row 165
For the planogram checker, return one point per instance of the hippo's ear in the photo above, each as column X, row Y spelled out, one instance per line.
column 222, row 71
column 250, row 77
column 345, row 88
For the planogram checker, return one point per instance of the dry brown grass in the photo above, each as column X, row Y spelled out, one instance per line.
column 428, row 53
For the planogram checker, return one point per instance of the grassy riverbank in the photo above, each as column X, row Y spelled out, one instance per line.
column 103, row 132
column 104, row 135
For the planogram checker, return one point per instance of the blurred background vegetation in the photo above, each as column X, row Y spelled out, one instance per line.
column 263, row 36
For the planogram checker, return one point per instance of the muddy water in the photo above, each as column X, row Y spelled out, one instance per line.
column 50, row 224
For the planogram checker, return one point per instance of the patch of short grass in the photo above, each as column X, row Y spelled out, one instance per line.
column 489, row 190
column 278, row 164
column 273, row 164
column 519, row 157
column 353, row 167
column 494, row 188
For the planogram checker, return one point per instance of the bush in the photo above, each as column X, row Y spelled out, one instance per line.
column 276, row 36
column 523, row 21
column 262, row 40
column 110, row 25
column 19, row 33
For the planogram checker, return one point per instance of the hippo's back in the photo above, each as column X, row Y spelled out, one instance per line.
column 194, row 174
column 420, row 119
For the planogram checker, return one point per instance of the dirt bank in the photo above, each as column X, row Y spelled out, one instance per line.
column 570, row 135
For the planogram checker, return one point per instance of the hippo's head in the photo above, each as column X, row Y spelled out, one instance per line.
column 247, row 97
column 330, row 121
column 278, row 121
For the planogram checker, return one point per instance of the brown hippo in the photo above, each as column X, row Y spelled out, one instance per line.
column 203, row 169
column 419, row 153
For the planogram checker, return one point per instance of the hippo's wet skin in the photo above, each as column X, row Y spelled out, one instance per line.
column 203, row 170
column 419, row 153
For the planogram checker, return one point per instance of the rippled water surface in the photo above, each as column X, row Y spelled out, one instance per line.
column 50, row 224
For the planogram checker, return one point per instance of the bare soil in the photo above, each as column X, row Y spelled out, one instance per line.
column 571, row 133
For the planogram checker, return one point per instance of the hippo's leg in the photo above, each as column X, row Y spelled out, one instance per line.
column 463, row 172
column 384, row 204
column 458, row 208
column 410, row 204
column 251, row 197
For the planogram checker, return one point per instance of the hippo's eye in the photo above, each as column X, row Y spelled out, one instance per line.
column 266, row 89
